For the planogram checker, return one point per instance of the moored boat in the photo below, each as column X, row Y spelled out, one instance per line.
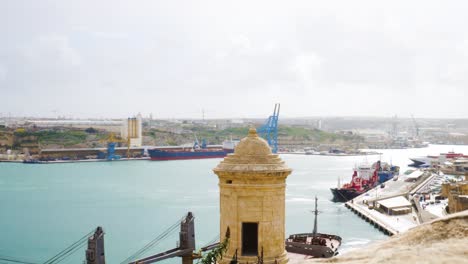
column 432, row 160
column 158, row 154
column 456, row 167
column 364, row 178
column 31, row 161
column 194, row 152
column 314, row 244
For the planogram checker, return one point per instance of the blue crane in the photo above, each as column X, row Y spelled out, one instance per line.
column 112, row 141
column 269, row 130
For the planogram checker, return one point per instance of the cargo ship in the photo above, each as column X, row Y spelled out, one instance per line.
column 364, row 178
column 194, row 152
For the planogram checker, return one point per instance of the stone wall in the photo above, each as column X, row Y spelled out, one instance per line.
column 457, row 194
column 256, row 199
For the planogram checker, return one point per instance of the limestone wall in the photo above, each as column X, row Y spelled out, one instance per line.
column 255, row 199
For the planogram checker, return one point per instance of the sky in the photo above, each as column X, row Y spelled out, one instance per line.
column 233, row 59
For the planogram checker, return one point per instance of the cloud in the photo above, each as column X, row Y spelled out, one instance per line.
column 237, row 57
column 3, row 72
column 102, row 34
column 306, row 67
column 241, row 44
column 54, row 49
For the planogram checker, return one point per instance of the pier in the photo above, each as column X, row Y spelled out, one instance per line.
column 393, row 209
column 372, row 219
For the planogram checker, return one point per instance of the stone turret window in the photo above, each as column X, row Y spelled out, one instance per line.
column 250, row 239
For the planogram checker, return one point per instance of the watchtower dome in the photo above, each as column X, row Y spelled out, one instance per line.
column 252, row 184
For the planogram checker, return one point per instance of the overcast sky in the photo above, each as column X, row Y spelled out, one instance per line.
column 233, row 59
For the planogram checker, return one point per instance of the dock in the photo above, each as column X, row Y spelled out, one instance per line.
column 75, row 160
column 331, row 154
column 393, row 209
column 372, row 219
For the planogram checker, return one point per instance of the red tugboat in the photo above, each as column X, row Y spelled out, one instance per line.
column 364, row 178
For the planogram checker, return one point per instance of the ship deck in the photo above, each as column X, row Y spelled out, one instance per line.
column 302, row 244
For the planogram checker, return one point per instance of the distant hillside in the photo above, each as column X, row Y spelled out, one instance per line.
column 54, row 138
column 287, row 135
column 63, row 137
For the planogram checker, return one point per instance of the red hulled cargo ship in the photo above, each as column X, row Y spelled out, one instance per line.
column 194, row 152
column 365, row 177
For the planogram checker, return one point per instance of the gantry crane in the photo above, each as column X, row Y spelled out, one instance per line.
column 269, row 131
column 416, row 127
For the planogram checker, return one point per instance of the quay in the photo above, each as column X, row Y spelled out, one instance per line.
column 74, row 160
column 372, row 219
column 330, row 153
column 393, row 207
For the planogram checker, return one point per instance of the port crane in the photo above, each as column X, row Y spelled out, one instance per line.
column 416, row 127
column 394, row 132
column 269, row 130
column 112, row 141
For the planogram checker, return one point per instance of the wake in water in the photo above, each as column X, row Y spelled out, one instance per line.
column 353, row 243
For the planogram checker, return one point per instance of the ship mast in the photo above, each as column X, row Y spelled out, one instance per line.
column 315, row 219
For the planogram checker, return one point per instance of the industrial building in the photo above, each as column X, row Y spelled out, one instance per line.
column 132, row 131
column 395, row 206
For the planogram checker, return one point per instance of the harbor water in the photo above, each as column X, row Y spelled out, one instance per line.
column 46, row 207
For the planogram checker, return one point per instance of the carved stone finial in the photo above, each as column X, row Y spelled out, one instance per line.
column 252, row 132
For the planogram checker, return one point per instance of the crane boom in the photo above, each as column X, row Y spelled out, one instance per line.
column 416, row 127
column 269, row 131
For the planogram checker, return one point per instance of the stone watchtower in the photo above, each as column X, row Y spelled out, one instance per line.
column 252, row 184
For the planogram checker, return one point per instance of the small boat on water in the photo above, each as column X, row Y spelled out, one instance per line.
column 314, row 244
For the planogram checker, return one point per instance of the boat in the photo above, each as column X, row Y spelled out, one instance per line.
column 31, row 161
column 194, row 152
column 314, row 244
column 312, row 152
column 430, row 160
column 364, row 178
column 456, row 167
column 422, row 161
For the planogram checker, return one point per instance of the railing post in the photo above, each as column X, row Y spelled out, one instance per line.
column 95, row 251
column 187, row 237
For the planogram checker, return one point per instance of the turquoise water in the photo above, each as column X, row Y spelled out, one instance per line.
column 45, row 208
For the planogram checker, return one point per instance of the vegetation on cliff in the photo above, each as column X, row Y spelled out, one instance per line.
column 56, row 137
column 184, row 134
column 217, row 136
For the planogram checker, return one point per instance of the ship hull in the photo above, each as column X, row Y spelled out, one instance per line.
column 327, row 249
column 162, row 155
column 344, row 195
column 420, row 162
